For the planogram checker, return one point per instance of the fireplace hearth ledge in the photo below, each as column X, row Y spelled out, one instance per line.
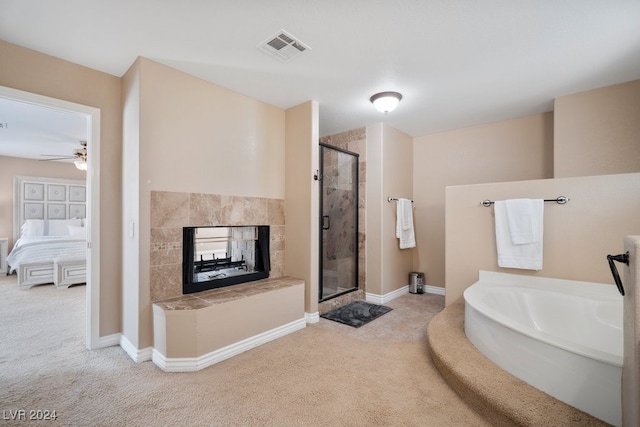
column 198, row 330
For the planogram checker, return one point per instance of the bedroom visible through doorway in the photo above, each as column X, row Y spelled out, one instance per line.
column 92, row 117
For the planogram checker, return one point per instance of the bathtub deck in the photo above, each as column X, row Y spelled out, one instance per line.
column 499, row 396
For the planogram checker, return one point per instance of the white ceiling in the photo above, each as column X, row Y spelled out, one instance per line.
column 456, row 62
column 32, row 131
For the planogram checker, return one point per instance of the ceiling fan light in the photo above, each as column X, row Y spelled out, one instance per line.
column 81, row 164
column 386, row 102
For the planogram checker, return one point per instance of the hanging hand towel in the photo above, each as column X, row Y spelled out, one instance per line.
column 524, row 217
column 404, row 224
column 527, row 228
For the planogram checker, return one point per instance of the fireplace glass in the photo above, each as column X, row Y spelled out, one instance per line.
column 219, row 256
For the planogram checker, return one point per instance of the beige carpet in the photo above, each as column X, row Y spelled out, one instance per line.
column 328, row 374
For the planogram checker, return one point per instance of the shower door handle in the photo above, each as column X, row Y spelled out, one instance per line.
column 623, row 258
column 326, row 222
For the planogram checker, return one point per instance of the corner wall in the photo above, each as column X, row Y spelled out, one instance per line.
column 301, row 202
column 389, row 174
column 510, row 150
column 597, row 132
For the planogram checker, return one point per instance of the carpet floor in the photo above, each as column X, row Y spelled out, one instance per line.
column 327, row 374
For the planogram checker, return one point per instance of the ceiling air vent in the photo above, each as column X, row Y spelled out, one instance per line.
column 283, row 46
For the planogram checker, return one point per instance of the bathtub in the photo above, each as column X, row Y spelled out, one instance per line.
column 563, row 337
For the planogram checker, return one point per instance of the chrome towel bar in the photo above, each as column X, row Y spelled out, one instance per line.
column 561, row 200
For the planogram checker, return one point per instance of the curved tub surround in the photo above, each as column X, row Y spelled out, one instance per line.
column 563, row 337
column 501, row 398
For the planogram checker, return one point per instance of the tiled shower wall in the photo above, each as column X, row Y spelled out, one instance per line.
column 170, row 211
column 355, row 141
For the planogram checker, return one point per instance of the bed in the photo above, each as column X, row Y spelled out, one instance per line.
column 57, row 255
column 49, row 232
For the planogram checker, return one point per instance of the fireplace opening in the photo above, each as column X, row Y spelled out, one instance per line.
column 218, row 256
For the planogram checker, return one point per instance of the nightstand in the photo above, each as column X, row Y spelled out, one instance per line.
column 4, row 245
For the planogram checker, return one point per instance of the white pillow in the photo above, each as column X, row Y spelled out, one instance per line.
column 58, row 227
column 75, row 231
column 33, row 228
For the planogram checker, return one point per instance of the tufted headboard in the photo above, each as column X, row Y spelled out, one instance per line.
column 47, row 198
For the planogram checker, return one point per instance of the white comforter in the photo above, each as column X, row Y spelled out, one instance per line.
column 46, row 249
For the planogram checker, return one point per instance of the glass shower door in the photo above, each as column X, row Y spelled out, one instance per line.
column 338, row 222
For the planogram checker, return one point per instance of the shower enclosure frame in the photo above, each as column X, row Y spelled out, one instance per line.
column 324, row 226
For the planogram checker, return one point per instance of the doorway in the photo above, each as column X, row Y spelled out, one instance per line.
column 338, row 222
column 92, row 116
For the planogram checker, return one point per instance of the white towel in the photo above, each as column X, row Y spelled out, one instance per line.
column 404, row 224
column 524, row 217
column 526, row 255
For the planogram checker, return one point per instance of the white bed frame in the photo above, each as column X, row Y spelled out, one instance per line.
column 62, row 273
column 48, row 198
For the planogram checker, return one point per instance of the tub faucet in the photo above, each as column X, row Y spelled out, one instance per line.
column 623, row 258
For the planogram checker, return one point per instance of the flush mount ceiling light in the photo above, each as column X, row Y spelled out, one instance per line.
column 386, row 101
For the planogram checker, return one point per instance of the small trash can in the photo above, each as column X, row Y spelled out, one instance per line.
column 416, row 282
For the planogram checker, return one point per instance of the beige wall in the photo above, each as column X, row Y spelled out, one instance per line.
column 131, row 204
column 190, row 136
column 389, row 174
column 511, row 150
column 301, row 201
column 31, row 71
column 397, row 181
column 13, row 166
column 200, row 136
column 577, row 236
column 597, row 132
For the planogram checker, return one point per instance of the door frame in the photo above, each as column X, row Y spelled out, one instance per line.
column 92, row 115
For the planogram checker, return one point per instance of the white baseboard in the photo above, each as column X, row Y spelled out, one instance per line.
column 136, row 355
column 109, row 340
column 437, row 290
column 312, row 317
column 192, row 364
column 381, row 299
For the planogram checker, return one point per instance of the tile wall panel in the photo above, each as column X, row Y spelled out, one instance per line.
column 355, row 141
column 170, row 211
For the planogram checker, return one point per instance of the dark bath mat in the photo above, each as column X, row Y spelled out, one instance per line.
column 357, row 313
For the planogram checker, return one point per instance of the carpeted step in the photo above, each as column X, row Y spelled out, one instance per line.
column 500, row 397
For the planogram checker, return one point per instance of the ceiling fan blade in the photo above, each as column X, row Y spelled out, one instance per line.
column 56, row 158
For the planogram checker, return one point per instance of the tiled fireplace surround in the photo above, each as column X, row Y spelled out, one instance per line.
column 170, row 211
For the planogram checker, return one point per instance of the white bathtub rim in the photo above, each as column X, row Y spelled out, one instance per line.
column 576, row 287
column 541, row 284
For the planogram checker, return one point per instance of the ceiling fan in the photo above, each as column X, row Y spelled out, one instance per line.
column 80, row 156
